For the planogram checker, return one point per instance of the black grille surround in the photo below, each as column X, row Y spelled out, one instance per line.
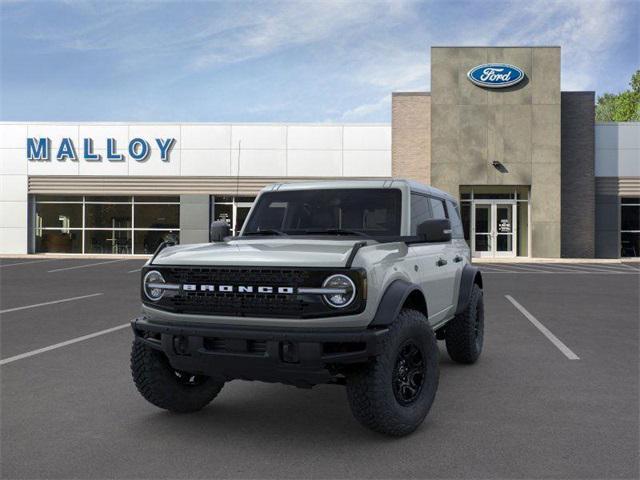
column 267, row 305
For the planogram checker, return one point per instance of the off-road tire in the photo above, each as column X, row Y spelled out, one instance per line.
column 370, row 388
column 162, row 386
column 464, row 335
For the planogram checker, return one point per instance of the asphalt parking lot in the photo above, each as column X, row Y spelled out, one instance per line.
column 527, row 409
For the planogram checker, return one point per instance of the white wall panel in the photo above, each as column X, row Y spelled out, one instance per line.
column 14, row 214
column 154, row 166
column 99, row 135
column 151, row 132
column 104, row 166
column 629, row 163
column 259, row 136
column 314, row 137
column 13, row 161
column 259, row 163
column 629, row 135
column 13, row 136
column 52, row 167
column 314, row 163
column 360, row 163
column 206, row 136
column 13, row 240
column 367, row 137
column 55, row 133
column 213, row 163
column 13, row 188
column 618, row 149
column 606, row 136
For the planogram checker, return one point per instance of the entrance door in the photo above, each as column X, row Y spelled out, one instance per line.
column 504, row 232
column 494, row 229
column 483, row 233
column 240, row 212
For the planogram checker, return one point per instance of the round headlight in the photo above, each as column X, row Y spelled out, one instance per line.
column 150, row 285
column 345, row 291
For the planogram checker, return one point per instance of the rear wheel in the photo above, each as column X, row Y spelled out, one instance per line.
column 393, row 393
column 167, row 388
column 464, row 335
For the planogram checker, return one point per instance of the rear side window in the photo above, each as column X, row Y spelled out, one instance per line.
column 437, row 208
column 456, row 223
column 420, row 211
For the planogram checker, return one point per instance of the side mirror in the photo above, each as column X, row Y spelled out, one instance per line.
column 218, row 230
column 436, row 230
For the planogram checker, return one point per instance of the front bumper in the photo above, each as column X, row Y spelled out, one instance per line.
column 298, row 357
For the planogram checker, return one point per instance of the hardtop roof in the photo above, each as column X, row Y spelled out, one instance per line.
column 360, row 183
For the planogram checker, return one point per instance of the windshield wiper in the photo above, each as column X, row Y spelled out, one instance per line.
column 266, row 231
column 337, row 231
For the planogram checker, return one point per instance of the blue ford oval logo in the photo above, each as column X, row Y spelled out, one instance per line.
column 495, row 75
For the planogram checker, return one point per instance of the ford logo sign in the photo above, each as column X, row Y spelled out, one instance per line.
column 495, row 75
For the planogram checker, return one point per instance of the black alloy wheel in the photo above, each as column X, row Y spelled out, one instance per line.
column 408, row 373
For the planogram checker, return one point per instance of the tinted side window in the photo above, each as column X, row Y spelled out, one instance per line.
column 420, row 211
column 437, row 208
column 456, row 223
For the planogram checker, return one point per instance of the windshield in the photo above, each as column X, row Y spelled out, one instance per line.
column 357, row 211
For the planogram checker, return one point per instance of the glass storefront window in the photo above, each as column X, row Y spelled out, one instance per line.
column 58, row 241
column 630, row 244
column 108, row 224
column 157, row 216
column 59, row 215
column 146, row 242
column 630, row 227
column 107, row 241
column 105, row 215
column 630, row 217
column 155, row 199
column 108, row 198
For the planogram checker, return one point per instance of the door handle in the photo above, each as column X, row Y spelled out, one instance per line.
column 441, row 262
column 457, row 258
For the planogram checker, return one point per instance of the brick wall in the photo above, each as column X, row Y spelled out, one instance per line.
column 411, row 136
column 578, row 174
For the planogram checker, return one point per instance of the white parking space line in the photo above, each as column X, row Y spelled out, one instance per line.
column 62, row 344
column 544, row 330
column 87, row 265
column 571, row 268
column 27, row 263
column 134, row 271
column 63, row 300
column 515, row 269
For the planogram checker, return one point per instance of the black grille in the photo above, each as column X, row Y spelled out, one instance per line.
column 252, row 304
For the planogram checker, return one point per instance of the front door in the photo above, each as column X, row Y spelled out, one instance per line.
column 494, row 230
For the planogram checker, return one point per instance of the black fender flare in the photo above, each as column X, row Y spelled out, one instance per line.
column 392, row 301
column 470, row 275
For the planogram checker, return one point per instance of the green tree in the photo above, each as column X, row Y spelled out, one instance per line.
column 621, row 107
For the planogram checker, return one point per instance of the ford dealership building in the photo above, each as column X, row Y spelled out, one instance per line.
column 534, row 173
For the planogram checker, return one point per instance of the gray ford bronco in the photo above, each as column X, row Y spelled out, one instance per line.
column 341, row 282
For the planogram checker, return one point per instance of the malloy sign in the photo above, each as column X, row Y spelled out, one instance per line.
column 40, row 149
column 495, row 75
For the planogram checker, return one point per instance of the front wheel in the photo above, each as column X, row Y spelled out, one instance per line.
column 167, row 388
column 393, row 393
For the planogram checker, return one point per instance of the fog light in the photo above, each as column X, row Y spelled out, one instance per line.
column 289, row 352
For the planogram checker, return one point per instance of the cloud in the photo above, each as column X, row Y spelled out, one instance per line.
column 367, row 110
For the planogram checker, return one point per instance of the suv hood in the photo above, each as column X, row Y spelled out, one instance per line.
column 275, row 252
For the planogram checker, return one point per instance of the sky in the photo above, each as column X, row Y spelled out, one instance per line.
column 272, row 61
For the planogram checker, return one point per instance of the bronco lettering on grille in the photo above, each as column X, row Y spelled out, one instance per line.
column 192, row 287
